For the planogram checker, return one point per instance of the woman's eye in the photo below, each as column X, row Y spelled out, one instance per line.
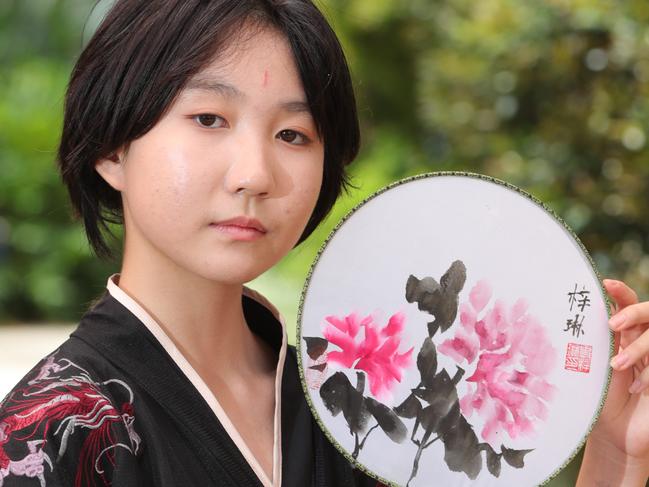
column 293, row 137
column 209, row 120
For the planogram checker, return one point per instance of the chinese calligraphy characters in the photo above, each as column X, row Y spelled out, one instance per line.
column 578, row 300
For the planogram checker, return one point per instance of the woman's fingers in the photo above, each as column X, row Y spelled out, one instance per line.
column 630, row 322
column 622, row 294
column 632, row 353
column 630, row 316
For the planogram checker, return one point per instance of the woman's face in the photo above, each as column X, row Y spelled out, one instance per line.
column 224, row 184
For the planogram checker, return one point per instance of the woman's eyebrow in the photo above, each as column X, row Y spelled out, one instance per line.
column 227, row 90
column 295, row 106
column 215, row 86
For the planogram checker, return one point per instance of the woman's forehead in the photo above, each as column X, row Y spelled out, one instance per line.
column 249, row 47
column 250, row 66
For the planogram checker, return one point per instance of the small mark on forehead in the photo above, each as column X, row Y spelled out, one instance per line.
column 265, row 82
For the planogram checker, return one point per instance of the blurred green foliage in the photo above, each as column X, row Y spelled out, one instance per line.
column 551, row 96
column 46, row 269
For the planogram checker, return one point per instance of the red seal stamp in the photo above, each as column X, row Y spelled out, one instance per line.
column 578, row 357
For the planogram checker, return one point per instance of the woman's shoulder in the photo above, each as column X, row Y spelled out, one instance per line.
column 67, row 421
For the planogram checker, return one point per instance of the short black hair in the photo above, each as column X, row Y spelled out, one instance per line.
column 140, row 58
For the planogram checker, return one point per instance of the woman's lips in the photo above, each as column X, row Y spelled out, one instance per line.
column 241, row 228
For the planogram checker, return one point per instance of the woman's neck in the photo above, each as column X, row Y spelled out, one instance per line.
column 203, row 318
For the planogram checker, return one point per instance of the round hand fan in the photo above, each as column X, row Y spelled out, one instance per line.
column 453, row 331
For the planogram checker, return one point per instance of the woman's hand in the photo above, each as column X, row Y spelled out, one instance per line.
column 617, row 451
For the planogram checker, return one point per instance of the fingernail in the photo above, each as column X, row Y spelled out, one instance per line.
column 620, row 360
column 635, row 387
column 617, row 320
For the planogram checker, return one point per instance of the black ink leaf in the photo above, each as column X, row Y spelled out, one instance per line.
column 493, row 460
column 425, row 292
column 461, row 449
column 334, row 394
column 453, row 281
column 429, row 418
column 360, row 382
column 409, row 408
column 441, row 393
column 338, row 395
column 439, row 300
column 319, row 367
column 449, row 421
column 427, row 362
column 315, row 346
column 387, row 419
column 516, row 458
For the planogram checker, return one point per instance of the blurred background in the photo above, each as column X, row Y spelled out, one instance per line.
column 551, row 96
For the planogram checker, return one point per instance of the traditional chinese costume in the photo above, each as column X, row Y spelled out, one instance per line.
column 118, row 404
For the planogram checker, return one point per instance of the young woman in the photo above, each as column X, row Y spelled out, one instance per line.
column 217, row 132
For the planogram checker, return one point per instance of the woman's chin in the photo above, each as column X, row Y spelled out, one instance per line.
column 231, row 274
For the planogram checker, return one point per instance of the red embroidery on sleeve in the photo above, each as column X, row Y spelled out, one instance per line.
column 61, row 399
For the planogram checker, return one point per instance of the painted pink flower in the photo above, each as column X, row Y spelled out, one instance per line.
column 364, row 346
column 512, row 356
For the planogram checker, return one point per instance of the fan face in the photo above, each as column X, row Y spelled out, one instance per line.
column 454, row 332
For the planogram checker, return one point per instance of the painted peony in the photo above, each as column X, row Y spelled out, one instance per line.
column 364, row 346
column 512, row 357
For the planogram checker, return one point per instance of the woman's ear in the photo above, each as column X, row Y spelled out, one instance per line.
column 111, row 169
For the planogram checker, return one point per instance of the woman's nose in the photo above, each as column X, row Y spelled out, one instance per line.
column 251, row 169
